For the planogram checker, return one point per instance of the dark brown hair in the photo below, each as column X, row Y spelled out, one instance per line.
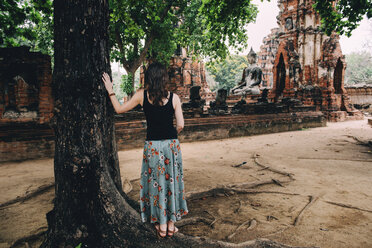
column 156, row 80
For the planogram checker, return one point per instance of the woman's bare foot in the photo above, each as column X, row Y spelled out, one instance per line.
column 161, row 230
column 172, row 229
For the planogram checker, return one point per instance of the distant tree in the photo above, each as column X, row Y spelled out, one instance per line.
column 27, row 23
column 342, row 16
column 228, row 73
column 359, row 68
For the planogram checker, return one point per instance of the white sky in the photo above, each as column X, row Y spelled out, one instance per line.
column 266, row 20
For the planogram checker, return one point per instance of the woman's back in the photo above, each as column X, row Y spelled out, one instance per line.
column 159, row 119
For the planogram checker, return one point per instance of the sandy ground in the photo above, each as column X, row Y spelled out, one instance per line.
column 327, row 164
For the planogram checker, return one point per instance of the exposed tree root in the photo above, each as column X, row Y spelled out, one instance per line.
column 348, row 206
column 231, row 189
column 213, row 222
column 41, row 189
column 127, row 186
column 193, row 220
column 205, row 242
column 312, row 199
column 256, row 184
column 277, row 232
column 29, row 238
column 238, row 209
column 214, row 219
column 277, row 182
column 250, row 223
column 359, row 141
column 265, row 167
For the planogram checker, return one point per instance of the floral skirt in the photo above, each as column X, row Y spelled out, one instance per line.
column 162, row 193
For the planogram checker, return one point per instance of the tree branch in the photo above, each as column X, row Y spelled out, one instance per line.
column 149, row 38
column 121, row 48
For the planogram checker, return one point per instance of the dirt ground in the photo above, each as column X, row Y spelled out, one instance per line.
column 304, row 188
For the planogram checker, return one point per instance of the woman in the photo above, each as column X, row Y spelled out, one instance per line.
column 162, row 194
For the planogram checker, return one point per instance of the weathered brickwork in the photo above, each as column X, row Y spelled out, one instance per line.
column 184, row 72
column 360, row 95
column 25, row 86
column 31, row 141
column 266, row 57
column 309, row 65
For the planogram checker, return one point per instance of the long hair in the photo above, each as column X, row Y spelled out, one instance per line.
column 156, row 80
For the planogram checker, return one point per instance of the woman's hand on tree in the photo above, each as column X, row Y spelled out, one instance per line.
column 108, row 84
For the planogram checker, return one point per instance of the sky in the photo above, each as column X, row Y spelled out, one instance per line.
column 266, row 20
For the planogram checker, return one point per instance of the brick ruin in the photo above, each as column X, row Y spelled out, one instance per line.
column 266, row 57
column 184, row 72
column 309, row 65
column 25, row 86
column 361, row 97
column 26, row 104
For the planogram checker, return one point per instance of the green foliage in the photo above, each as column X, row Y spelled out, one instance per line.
column 78, row 245
column 211, row 27
column 153, row 29
column 27, row 23
column 359, row 68
column 228, row 73
column 137, row 21
column 126, row 84
column 346, row 15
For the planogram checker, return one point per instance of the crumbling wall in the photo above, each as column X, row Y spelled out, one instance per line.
column 26, row 104
column 309, row 65
column 266, row 57
column 25, row 86
column 184, row 72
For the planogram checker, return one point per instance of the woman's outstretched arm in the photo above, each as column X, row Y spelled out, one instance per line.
column 133, row 102
column 178, row 113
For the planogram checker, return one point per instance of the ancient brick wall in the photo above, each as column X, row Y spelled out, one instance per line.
column 360, row 94
column 184, row 72
column 31, row 141
column 266, row 57
column 309, row 65
column 25, row 86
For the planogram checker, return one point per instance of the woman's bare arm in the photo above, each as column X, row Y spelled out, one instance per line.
column 133, row 102
column 178, row 113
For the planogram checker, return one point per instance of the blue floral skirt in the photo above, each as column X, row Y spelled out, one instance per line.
column 162, row 193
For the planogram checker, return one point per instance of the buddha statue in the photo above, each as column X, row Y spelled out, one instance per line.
column 251, row 79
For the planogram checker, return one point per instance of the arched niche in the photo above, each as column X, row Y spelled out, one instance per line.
column 337, row 77
column 280, row 76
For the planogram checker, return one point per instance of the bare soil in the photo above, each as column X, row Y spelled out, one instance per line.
column 305, row 188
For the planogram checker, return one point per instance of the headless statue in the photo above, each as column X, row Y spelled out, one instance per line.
column 251, row 79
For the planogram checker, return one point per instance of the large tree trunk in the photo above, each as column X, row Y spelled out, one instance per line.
column 90, row 206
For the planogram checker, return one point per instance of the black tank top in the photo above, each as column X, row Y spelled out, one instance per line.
column 159, row 119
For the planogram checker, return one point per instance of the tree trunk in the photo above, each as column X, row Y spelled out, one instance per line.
column 90, row 206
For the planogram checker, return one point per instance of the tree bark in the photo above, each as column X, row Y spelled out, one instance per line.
column 90, row 206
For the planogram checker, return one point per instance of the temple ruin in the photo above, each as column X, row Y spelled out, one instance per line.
column 26, row 104
column 266, row 57
column 309, row 65
column 184, row 73
column 25, row 86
